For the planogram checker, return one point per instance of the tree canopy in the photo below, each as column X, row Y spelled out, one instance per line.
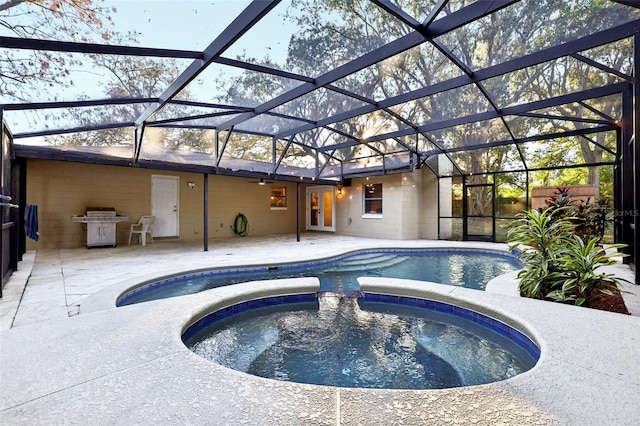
column 341, row 122
column 64, row 20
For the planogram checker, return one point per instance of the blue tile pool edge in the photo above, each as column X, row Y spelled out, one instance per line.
column 500, row 327
column 513, row 334
column 196, row 327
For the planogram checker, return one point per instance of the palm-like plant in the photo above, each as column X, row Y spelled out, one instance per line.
column 539, row 236
column 558, row 264
column 580, row 276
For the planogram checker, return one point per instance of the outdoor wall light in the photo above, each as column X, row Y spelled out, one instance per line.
column 191, row 185
column 339, row 191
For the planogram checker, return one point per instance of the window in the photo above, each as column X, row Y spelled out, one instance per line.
column 372, row 198
column 278, row 197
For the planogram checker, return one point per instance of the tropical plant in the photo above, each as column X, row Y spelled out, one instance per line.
column 600, row 215
column 539, row 238
column 560, row 202
column 590, row 220
column 558, row 264
column 579, row 263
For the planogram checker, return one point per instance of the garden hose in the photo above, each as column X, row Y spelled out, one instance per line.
column 240, row 225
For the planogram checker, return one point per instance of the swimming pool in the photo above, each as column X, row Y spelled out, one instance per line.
column 470, row 268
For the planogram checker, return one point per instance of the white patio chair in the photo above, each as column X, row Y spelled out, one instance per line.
column 142, row 228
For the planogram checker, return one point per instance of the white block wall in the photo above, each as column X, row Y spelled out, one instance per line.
column 410, row 207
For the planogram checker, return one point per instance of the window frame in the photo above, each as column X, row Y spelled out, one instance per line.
column 279, row 192
column 365, row 199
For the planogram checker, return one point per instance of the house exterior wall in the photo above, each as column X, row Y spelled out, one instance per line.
column 63, row 189
column 429, row 204
column 350, row 219
column 410, row 207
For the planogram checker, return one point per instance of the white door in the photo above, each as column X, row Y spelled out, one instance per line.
column 321, row 209
column 164, row 205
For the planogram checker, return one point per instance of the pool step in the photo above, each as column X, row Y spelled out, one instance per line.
column 367, row 262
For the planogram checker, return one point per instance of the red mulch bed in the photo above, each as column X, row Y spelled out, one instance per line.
column 605, row 302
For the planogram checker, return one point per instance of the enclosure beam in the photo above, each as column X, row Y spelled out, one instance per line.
column 138, row 134
column 219, row 152
column 243, row 23
column 76, row 104
column 514, row 110
column 636, row 162
column 546, row 55
column 625, row 214
column 437, row 28
column 517, row 109
column 94, row 48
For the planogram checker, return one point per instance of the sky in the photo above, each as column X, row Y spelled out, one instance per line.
column 175, row 24
column 183, row 25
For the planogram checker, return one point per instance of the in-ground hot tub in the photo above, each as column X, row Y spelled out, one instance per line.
column 371, row 341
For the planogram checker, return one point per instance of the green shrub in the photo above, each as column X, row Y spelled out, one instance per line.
column 539, row 239
column 590, row 219
column 558, row 264
column 580, row 280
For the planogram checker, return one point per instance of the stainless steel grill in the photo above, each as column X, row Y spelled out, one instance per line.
column 101, row 225
column 99, row 212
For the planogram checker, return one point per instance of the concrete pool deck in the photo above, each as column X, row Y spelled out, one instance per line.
column 69, row 356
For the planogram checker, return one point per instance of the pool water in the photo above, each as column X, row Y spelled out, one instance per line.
column 466, row 268
column 343, row 342
column 471, row 269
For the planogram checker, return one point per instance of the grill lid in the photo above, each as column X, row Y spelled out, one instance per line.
column 100, row 211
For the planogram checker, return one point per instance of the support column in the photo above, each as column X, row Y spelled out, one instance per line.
column 298, row 208
column 493, row 208
column 527, row 201
column 617, row 190
column 636, row 158
column 205, row 232
column 625, row 209
column 465, row 210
